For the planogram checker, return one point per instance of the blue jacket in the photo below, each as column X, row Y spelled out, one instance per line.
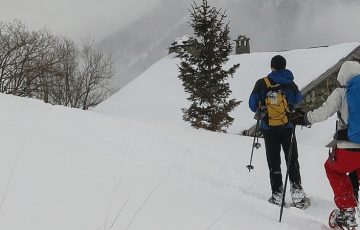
column 286, row 79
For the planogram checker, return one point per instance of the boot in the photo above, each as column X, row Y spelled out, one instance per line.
column 276, row 198
column 299, row 197
column 346, row 218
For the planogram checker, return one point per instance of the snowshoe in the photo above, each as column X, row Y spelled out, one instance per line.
column 276, row 199
column 343, row 219
column 299, row 197
column 303, row 203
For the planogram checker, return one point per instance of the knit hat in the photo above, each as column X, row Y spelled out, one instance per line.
column 278, row 62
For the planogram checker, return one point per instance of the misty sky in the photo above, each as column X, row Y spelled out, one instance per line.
column 336, row 22
column 75, row 18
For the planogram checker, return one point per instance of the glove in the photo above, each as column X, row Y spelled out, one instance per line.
column 332, row 156
column 341, row 135
column 260, row 113
column 297, row 117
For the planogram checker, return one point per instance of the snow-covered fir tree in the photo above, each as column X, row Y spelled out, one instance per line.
column 202, row 72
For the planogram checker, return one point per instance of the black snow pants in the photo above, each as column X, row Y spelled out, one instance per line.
column 275, row 138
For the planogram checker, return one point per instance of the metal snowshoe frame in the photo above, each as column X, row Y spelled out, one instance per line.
column 333, row 224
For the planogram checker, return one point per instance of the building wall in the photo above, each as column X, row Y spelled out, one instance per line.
column 242, row 49
column 318, row 95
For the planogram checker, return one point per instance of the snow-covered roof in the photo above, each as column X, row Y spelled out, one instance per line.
column 159, row 94
column 181, row 41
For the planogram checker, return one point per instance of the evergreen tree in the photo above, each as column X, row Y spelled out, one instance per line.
column 202, row 73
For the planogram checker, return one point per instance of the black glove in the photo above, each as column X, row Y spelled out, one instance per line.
column 297, row 117
column 260, row 113
column 332, row 156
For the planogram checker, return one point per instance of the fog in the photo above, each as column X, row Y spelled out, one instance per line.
column 272, row 25
column 76, row 19
column 138, row 32
column 291, row 24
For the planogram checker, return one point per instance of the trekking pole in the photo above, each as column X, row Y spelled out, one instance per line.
column 287, row 171
column 256, row 143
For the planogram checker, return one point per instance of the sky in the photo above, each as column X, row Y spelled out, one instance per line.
column 99, row 19
column 76, row 19
column 272, row 25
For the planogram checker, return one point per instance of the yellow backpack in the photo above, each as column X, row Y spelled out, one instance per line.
column 276, row 104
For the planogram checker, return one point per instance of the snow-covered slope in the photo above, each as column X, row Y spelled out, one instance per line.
column 68, row 169
column 140, row 167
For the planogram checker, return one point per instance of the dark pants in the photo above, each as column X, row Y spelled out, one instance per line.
column 275, row 139
column 355, row 183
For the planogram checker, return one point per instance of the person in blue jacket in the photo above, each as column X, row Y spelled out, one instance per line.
column 280, row 136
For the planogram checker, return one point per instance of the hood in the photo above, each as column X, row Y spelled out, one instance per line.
column 348, row 70
column 283, row 76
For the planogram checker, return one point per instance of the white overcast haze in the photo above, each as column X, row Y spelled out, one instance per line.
column 76, row 19
column 292, row 24
column 138, row 33
column 272, row 25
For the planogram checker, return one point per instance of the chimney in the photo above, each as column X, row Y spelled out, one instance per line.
column 242, row 45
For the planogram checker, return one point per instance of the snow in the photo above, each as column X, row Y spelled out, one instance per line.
column 181, row 40
column 133, row 164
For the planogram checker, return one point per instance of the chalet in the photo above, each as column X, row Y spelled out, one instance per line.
column 181, row 44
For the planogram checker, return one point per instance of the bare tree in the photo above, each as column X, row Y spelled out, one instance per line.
column 44, row 66
column 58, row 85
column 94, row 75
column 23, row 58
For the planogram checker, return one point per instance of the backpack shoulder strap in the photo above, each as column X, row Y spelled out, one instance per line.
column 267, row 82
column 340, row 118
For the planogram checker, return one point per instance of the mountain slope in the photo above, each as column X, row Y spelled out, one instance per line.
column 271, row 25
column 142, row 43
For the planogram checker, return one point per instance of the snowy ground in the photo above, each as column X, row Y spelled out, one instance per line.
column 67, row 169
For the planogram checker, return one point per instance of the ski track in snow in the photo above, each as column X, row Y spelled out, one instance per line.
column 156, row 187
column 229, row 208
column 11, row 175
